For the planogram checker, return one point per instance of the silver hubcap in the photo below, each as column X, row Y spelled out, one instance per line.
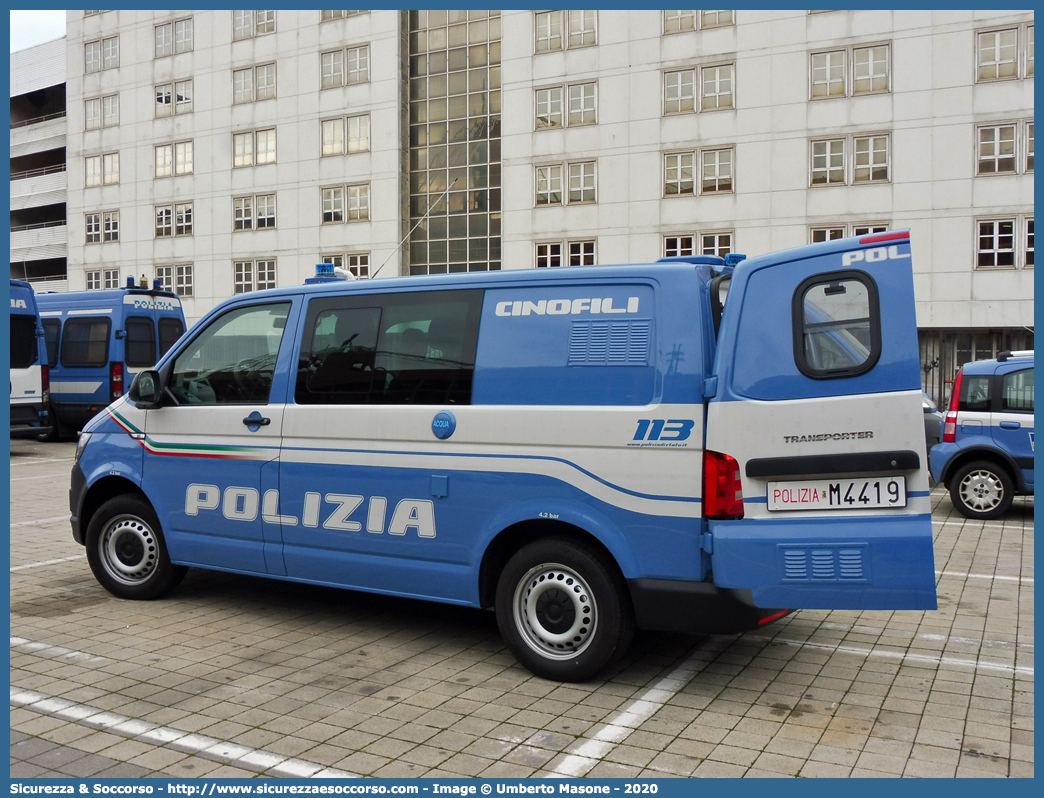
column 555, row 611
column 982, row 491
column 128, row 550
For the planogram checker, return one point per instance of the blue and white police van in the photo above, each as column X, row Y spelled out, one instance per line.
column 689, row 445
column 29, row 378
column 985, row 457
column 96, row 341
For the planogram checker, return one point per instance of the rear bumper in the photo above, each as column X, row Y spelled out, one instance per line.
column 29, row 420
column 663, row 605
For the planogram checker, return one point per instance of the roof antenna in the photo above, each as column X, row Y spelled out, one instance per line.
column 425, row 216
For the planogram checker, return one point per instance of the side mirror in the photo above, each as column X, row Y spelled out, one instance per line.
column 146, row 390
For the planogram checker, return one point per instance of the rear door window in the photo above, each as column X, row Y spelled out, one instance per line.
column 85, row 342
column 1017, row 392
column 170, row 330
column 23, row 341
column 837, row 325
column 140, row 349
column 976, row 394
column 52, row 331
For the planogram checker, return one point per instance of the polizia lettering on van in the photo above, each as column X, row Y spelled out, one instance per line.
column 564, row 307
column 18, row 303
column 873, row 255
column 242, row 504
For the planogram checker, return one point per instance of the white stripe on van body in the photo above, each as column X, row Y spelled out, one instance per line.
column 75, row 387
column 589, row 448
column 92, row 312
column 895, row 419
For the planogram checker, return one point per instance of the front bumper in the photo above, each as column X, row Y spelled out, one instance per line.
column 77, row 490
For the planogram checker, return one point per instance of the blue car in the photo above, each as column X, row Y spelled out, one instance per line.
column 985, row 458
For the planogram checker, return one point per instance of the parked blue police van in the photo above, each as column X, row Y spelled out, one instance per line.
column 96, row 341
column 691, row 445
column 985, row 457
column 29, row 377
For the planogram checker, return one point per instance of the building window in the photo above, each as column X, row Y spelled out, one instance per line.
column 254, row 147
column 679, row 92
column 549, row 185
column 254, row 275
column 1029, row 51
column 998, row 54
column 176, row 277
column 828, row 162
column 719, row 244
column 717, row 171
column 716, row 87
column 871, row 72
column 557, row 30
column 346, row 135
column 247, row 24
column 679, row 168
column 868, row 229
column 101, row 170
column 1029, row 242
column 108, row 278
column 996, row 246
column 326, row 16
column 549, row 107
column 678, row 21
column 715, row 19
column 345, row 67
column 582, row 182
column 254, row 83
column 102, row 112
column 174, row 220
column 254, row 213
column 871, row 159
column 102, row 54
column 996, row 150
column 580, row 253
column 174, row 159
column 870, row 69
column 100, row 227
column 346, row 203
column 833, row 233
column 828, row 74
column 820, row 234
column 93, row 280
column 358, row 263
column 678, row 245
column 174, row 98
column 174, row 37
column 1029, row 146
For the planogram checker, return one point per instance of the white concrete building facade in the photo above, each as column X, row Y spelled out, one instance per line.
column 237, row 149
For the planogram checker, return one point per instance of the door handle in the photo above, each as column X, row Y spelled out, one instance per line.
column 1010, row 425
column 257, row 421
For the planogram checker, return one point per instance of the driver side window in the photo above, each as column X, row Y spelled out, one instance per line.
column 232, row 361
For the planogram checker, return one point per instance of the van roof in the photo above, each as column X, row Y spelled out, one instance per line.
column 1019, row 357
column 100, row 298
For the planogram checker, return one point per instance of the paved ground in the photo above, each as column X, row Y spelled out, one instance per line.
column 239, row 676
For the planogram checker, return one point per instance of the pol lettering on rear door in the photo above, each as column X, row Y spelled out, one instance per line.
column 818, row 399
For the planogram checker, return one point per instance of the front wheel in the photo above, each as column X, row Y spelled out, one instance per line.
column 126, row 552
column 982, row 490
column 563, row 609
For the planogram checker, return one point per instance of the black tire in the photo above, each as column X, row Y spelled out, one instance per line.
column 981, row 490
column 570, row 631
column 126, row 551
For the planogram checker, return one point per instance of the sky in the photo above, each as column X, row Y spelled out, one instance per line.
column 29, row 28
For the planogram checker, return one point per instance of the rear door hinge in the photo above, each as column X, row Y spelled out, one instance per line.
column 707, row 542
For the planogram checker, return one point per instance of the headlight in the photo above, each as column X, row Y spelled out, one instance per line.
column 81, row 444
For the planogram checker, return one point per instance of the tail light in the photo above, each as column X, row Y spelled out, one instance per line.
column 115, row 380
column 45, row 383
column 722, row 489
column 950, row 422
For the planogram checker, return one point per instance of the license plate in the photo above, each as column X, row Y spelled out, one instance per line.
column 838, row 494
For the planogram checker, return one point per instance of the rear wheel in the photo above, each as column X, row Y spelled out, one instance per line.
column 126, row 552
column 563, row 609
column 982, row 490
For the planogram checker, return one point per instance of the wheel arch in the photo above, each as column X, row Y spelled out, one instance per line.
column 987, row 454
column 512, row 538
column 106, row 488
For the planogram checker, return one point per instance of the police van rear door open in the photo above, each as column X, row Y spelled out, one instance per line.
column 816, row 412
